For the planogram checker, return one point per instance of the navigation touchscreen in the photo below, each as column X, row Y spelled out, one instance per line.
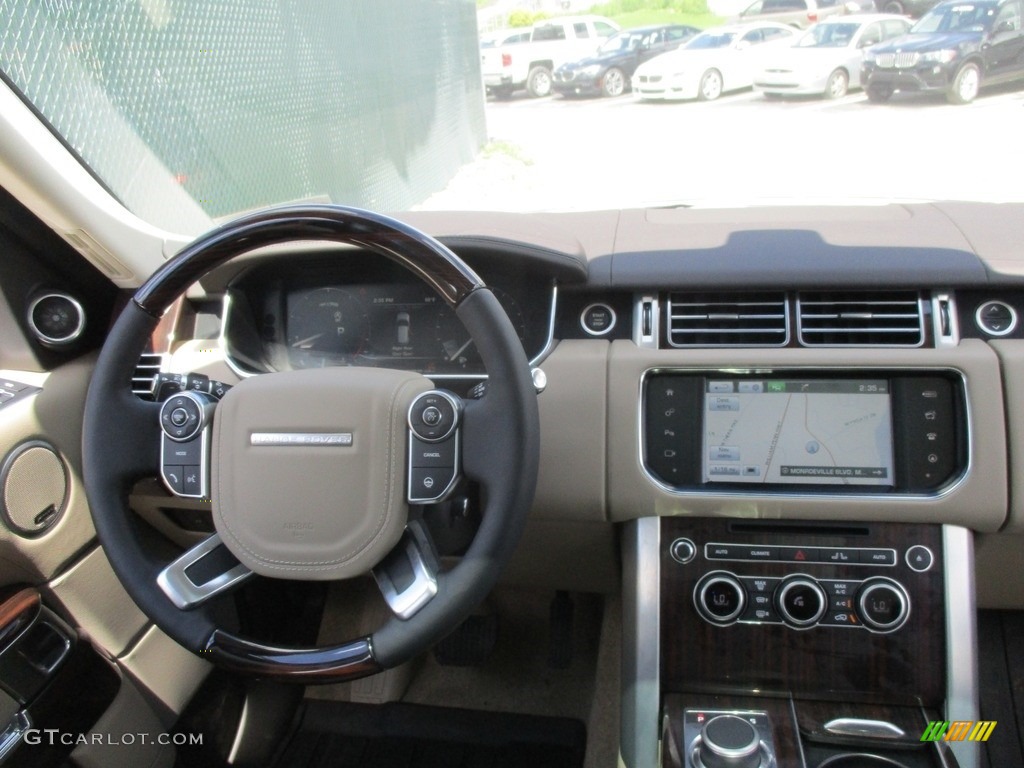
column 822, row 431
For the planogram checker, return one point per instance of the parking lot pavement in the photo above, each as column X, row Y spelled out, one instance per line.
column 566, row 154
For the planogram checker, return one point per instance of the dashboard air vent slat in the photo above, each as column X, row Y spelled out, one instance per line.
column 728, row 320
column 882, row 319
column 145, row 374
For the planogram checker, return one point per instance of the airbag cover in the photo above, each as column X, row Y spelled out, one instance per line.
column 311, row 507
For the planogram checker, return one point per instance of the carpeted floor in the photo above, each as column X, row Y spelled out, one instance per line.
column 516, row 678
column 1001, row 686
column 346, row 735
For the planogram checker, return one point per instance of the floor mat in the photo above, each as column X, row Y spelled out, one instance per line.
column 341, row 734
column 1001, row 685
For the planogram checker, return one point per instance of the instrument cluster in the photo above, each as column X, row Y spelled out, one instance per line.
column 369, row 312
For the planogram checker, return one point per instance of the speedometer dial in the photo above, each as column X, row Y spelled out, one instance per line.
column 455, row 345
column 326, row 326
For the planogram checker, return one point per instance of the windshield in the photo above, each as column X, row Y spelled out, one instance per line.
column 190, row 113
column 621, row 43
column 962, row 17
column 829, row 36
column 711, row 40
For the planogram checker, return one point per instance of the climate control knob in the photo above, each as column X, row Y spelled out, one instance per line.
column 719, row 597
column 883, row 604
column 801, row 601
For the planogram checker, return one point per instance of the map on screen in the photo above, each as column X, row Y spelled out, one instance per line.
column 829, row 431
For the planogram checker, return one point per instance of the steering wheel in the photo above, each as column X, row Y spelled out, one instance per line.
column 312, row 473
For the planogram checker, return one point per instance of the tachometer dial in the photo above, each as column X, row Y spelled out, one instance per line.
column 455, row 345
column 327, row 326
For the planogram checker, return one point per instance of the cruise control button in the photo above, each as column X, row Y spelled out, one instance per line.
column 430, row 482
column 432, row 417
column 425, row 454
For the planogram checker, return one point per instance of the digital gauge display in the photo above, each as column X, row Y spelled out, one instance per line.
column 398, row 326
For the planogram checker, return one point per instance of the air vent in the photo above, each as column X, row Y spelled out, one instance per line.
column 878, row 319
column 145, row 373
column 728, row 320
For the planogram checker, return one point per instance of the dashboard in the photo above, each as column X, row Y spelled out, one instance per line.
column 619, row 307
column 772, row 429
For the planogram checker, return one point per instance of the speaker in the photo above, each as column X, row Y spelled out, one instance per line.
column 35, row 488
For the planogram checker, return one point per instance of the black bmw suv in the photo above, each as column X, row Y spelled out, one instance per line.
column 955, row 48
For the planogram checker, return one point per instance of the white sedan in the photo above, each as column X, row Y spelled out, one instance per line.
column 827, row 59
column 717, row 60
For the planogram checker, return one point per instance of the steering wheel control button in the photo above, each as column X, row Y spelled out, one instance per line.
column 183, row 416
column 729, row 741
column 801, row 601
column 883, row 604
column 682, row 551
column 175, row 478
column 430, row 483
column 432, row 454
column 433, row 446
column 919, row 558
column 187, row 453
column 183, row 448
column 719, row 598
column 192, row 485
column 434, row 415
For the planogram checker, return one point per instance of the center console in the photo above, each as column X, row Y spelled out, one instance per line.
column 782, row 643
column 826, row 639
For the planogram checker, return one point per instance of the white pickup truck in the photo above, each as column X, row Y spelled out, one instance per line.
column 552, row 43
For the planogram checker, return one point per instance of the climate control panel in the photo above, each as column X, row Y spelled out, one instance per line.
column 823, row 609
column 801, row 601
